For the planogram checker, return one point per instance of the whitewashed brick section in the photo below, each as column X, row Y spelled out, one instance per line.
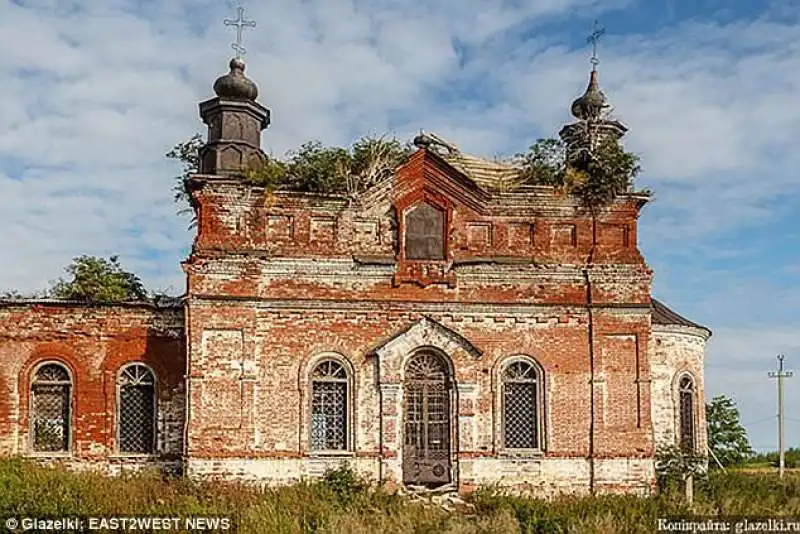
column 676, row 350
column 278, row 471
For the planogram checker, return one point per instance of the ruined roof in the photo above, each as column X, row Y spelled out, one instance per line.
column 486, row 173
column 663, row 315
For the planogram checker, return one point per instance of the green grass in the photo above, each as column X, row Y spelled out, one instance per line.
column 343, row 504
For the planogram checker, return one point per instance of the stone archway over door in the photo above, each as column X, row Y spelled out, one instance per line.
column 427, row 426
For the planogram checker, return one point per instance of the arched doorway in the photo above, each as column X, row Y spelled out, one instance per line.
column 426, row 420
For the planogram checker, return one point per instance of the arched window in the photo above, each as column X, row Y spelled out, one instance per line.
column 686, row 409
column 424, row 229
column 51, row 401
column 521, row 402
column 136, row 415
column 329, row 407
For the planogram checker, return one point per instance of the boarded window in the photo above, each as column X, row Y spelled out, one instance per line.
column 686, row 403
column 51, row 398
column 329, row 406
column 137, row 410
column 424, row 228
column 520, row 390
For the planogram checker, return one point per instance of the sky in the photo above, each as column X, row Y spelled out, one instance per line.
column 95, row 92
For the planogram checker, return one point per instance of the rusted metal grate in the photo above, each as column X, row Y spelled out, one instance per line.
column 520, row 406
column 137, row 410
column 686, row 392
column 426, row 452
column 329, row 406
column 50, row 408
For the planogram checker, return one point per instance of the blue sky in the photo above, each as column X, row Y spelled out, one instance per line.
column 96, row 91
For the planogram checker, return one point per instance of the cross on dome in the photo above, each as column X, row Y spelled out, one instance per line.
column 240, row 24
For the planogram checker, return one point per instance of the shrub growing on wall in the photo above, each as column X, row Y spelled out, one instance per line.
column 597, row 176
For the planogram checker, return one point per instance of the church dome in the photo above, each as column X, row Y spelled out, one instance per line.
column 592, row 103
column 235, row 85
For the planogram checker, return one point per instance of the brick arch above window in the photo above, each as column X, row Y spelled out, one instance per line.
column 306, row 368
column 49, row 352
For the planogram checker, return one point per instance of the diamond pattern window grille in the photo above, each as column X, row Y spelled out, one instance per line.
column 521, row 406
column 686, row 393
column 51, row 393
column 329, row 384
column 137, row 410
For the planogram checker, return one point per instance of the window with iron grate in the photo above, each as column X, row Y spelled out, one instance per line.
column 51, row 400
column 329, row 419
column 686, row 408
column 521, row 403
column 136, row 417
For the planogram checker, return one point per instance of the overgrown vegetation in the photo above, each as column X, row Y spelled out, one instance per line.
column 342, row 503
column 332, row 170
column 313, row 167
column 674, row 466
column 597, row 176
column 188, row 153
column 92, row 279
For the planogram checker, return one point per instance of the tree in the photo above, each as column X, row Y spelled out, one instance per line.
column 96, row 279
column 727, row 438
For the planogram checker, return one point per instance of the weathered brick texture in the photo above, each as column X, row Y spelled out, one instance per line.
column 278, row 282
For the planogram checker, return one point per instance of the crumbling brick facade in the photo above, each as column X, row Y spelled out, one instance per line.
column 277, row 281
column 437, row 328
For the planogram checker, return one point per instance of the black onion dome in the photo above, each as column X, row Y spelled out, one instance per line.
column 591, row 104
column 235, row 85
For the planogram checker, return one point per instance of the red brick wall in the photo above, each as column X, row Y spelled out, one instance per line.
column 93, row 342
column 276, row 279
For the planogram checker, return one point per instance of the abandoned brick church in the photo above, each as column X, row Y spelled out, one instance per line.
column 442, row 327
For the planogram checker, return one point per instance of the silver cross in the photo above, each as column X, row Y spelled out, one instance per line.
column 240, row 24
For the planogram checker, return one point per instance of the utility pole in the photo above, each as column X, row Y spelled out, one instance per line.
column 780, row 374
